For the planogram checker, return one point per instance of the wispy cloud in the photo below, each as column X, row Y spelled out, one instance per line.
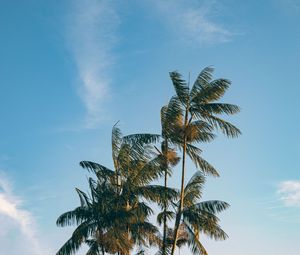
column 91, row 36
column 11, row 211
column 289, row 193
column 193, row 21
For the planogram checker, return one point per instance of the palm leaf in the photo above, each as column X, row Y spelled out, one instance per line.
column 101, row 171
column 116, row 140
column 212, row 91
column 193, row 189
column 180, row 86
column 218, row 108
column 199, row 131
column 141, row 138
column 169, row 215
column 70, row 247
column 157, row 193
column 76, row 216
column 204, row 77
column 148, row 171
column 79, row 236
column 200, row 163
column 84, row 199
column 227, row 128
column 94, row 247
column 212, row 206
column 195, row 245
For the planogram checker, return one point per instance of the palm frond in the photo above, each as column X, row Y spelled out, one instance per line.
column 193, row 189
column 227, row 128
column 148, row 171
column 205, row 222
column 101, row 171
column 157, row 193
column 199, row 131
column 212, row 206
column 193, row 242
column 212, row 91
column 169, row 216
column 218, row 108
column 76, row 216
column 180, row 86
column 81, row 233
column 214, row 231
column 200, row 163
column 141, row 138
column 142, row 232
column 70, row 247
column 204, row 78
column 116, row 140
column 94, row 247
column 84, row 199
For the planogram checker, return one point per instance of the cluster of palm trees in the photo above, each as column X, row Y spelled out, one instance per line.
column 113, row 217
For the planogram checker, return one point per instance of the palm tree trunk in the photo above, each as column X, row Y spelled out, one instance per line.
column 180, row 208
column 128, row 234
column 165, row 213
column 165, row 203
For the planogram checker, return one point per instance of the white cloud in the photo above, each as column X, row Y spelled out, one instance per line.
column 193, row 22
column 91, row 36
column 20, row 221
column 289, row 192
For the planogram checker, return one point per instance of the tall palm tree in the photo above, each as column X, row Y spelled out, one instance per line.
column 200, row 110
column 199, row 217
column 172, row 137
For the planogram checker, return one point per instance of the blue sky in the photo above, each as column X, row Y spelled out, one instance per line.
column 71, row 69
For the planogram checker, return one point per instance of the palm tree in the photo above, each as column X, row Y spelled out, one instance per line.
column 198, row 218
column 134, row 169
column 172, row 127
column 121, row 217
column 94, row 219
column 200, row 110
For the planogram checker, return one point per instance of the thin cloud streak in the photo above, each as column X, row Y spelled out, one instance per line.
column 11, row 207
column 289, row 193
column 192, row 22
column 91, row 36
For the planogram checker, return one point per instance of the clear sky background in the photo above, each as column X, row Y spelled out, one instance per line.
column 70, row 69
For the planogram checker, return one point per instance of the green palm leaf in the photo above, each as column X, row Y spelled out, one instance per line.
column 169, row 215
column 218, row 108
column 212, row 91
column 204, row 78
column 101, row 171
column 227, row 128
column 141, row 138
column 180, row 86
column 195, row 245
column 212, row 206
column 200, row 163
